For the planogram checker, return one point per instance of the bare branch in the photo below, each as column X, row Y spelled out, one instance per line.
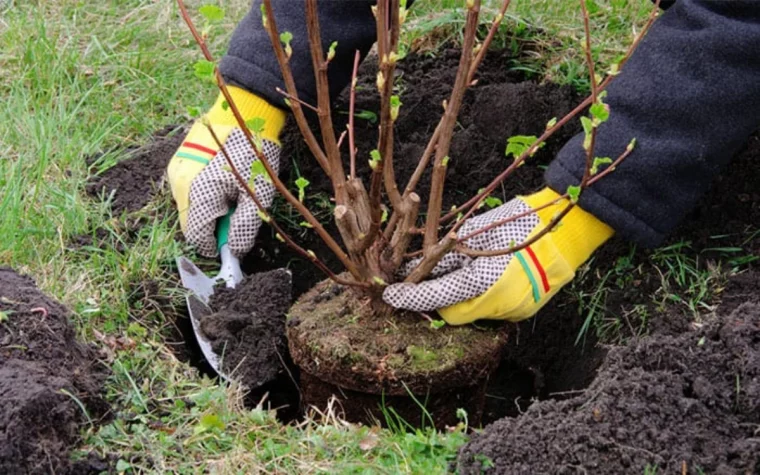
column 319, row 63
column 291, row 98
column 351, row 108
column 447, row 127
column 267, row 217
column 290, row 86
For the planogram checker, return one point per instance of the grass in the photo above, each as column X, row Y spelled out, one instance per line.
column 81, row 77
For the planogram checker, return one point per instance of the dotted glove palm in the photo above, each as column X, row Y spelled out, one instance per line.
column 203, row 186
column 507, row 287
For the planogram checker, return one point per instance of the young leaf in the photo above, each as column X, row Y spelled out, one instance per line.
column 598, row 162
column 395, row 106
column 384, row 217
column 445, row 161
column 519, row 144
column 305, row 224
column 493, row 202
column 225, row 105
column 279, row 237
column 263, row 216
column 302, row 183
column 379, row 281
column 331, row 51
column 574, row 192
column 256, row 125
column 264, row 16
column 600, row 112
column 437, row 324
column 286, row 37
column 631, row 145
column 258, row 169
column 588, row 127
column 366, row 115
column 204, row 70
column 375, row 159
column 211, row 12
column 194, row 111
column 551, row 123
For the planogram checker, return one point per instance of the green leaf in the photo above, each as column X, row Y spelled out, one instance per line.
column 194, row 112
column 493, row 202
column 375, row 159
column 211, row 12
column 445, row 161
column 378, row 280
column 302, row 183
column 551, row 123
column 225, row 105
column 600, row 112
column 279, row 237
column 588, row 127
column 331, row 51
column 574, row 192
column 204, row 70
column 519, row 144
column 263, row 216
column 461, row 414
column 631, row 145
column 258, row 169
column 286, row 37
column 395, row 106
column 366, row 115
column 304, row 224
column 598, row 162
column 122, row 466
column 256, row 125
column 3, row 316
column 384, row 217
column 437, row 324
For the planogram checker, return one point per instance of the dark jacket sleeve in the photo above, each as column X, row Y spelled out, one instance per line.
column 250, row 62
column 690, row 95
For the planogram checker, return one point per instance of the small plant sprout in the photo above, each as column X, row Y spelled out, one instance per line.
column 378, row 217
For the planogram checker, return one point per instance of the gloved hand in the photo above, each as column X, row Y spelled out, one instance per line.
column 204, row 188
column 508, row 287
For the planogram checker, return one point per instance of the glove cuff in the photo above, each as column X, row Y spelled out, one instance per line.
column 250, row 106
column 579, row 233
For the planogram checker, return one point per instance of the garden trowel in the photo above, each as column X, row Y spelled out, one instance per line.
column 202, row 287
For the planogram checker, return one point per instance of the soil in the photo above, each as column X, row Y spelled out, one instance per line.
column 690, row 401
column 247, row 330
column 43, row 371
column 134, row 181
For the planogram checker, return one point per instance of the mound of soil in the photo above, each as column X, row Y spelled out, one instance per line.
column 44, row 370
column 133, row 181
column 692, row 400
column 247, row 328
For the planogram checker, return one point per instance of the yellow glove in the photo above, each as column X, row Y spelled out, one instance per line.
column 509, row 287
column 204, row 193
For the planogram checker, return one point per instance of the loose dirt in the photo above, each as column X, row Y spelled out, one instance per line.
column 663, row 402
column 44, row 371
column 134, row 181
column 247, row 328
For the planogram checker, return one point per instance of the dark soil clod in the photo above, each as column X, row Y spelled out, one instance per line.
column 42, row 368
column 247, row 328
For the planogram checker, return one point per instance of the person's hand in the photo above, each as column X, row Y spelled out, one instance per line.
column 203, row 186
column 507, row 287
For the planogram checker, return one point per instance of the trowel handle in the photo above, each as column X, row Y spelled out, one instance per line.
column 230, row 270
column 223, row 229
